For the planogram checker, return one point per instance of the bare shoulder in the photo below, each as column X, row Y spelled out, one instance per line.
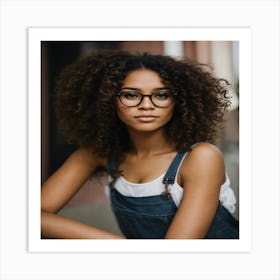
column 205, row 151
column 203, row 160
column 201, row 174
column 89, row 157
column 61, row 186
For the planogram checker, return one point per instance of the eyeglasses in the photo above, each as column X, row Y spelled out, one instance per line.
column 160, row 98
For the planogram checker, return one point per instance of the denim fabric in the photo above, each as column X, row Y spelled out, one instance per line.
column 224, row 225
column 150, row 217
column 143, row 217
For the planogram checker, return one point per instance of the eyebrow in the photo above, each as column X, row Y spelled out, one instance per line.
column 138, row 89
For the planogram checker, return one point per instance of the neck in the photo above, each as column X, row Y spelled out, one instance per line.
column 145, row 144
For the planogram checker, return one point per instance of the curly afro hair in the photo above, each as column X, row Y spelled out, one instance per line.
column 86, row 90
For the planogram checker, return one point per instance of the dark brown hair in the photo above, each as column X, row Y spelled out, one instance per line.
column 86, row 90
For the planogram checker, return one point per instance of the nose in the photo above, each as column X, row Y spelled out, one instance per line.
column 146, row 102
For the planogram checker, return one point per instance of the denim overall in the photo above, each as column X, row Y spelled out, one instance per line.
column 149, row 217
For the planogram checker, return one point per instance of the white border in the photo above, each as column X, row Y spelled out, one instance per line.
column 36, row 35
column 262, row 16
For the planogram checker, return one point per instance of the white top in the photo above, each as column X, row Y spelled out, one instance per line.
column 156, row 187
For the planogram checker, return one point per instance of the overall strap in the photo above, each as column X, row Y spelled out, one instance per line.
column 111, row 165
column 170, row 175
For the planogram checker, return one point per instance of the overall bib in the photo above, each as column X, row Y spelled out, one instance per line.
column 149, row 217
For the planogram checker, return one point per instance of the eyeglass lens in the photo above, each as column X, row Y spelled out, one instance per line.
column 161, row 98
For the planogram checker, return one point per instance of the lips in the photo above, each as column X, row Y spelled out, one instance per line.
column 146, row 118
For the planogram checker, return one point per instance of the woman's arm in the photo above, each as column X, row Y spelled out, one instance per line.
column 60, row 188
column 55, row 226
column 201, row 174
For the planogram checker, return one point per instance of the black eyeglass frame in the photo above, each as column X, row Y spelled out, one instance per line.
column 150, row 96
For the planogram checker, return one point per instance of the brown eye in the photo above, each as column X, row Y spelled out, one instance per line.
column 161, row 96
column 130, row 95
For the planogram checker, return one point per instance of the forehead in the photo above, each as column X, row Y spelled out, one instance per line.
column 143, row 78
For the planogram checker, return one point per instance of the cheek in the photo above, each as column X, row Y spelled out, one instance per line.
column 126, row 114
column 123, row 113
column 169, row 114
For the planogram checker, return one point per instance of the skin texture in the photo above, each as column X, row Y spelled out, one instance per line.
column 201, row 173
column 59, row 189
column 149, row 146
column 145, row 81
column 201, row 182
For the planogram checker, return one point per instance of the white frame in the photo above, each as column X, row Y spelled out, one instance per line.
column 36, row 35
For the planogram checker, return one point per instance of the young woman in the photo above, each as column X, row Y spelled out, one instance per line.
column 150, row 121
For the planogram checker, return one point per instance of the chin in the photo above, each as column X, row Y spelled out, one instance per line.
column 147, row 127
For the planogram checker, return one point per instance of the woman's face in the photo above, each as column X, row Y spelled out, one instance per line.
column 147, row 115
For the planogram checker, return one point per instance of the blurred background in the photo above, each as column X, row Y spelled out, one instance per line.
column 90, row 205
